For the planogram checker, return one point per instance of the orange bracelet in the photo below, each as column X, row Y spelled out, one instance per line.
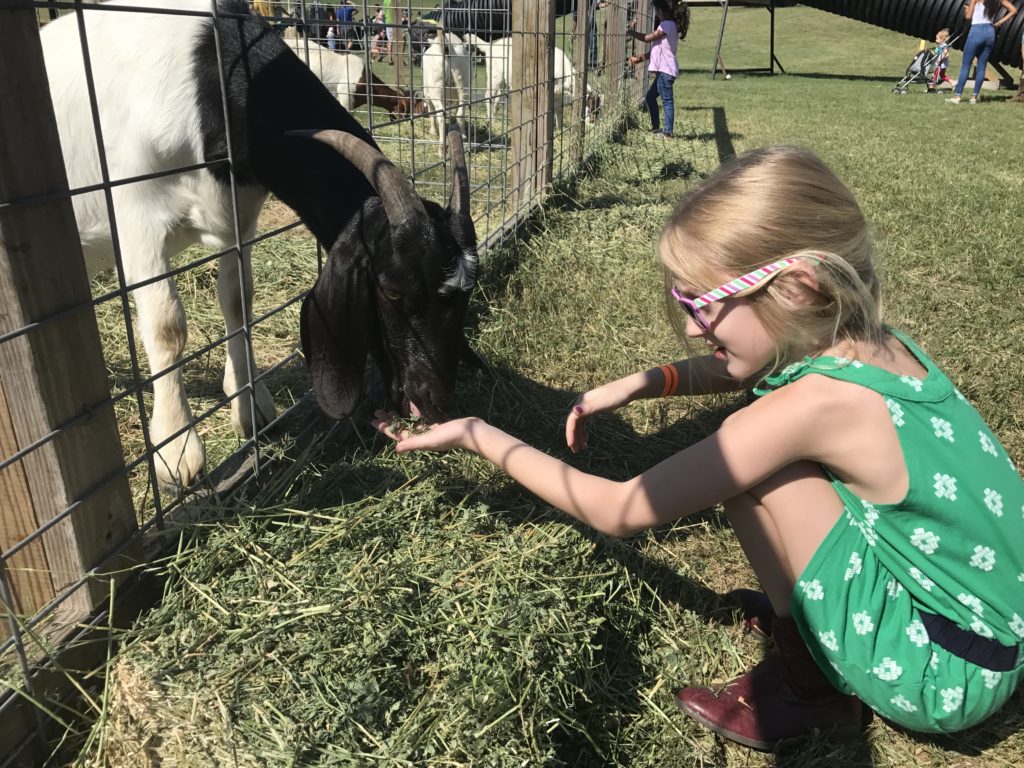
column 671, row 379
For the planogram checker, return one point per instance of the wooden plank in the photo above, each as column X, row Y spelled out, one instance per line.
column 580, row 49
column 615, row 49
column 532, row 100
column 27, row 569
column 645, row 22
column 55, row 373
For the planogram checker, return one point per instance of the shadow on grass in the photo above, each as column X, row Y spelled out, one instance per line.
column 721, row 135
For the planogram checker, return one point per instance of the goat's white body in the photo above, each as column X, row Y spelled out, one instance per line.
column 340, row 72
column 498, row 60
column 446, row 78
column 147, row 100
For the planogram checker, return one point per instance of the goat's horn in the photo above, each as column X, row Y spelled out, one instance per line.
column 460, row 175
column 396, row 193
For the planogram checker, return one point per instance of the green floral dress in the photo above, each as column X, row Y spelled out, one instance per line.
column 896, row 591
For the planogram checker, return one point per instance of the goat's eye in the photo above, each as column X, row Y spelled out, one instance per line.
column 389, row 293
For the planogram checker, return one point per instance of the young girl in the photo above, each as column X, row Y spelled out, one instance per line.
column 881, row 515
column 673, row 22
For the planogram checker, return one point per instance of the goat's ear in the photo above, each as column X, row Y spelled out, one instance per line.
column 338, row 321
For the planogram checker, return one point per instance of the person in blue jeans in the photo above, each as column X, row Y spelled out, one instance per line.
column 673, row 21
column 980, row 41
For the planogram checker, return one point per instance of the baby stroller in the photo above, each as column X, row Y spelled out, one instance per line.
column 922, row 68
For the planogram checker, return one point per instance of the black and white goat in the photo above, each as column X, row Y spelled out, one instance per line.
column 400, row 269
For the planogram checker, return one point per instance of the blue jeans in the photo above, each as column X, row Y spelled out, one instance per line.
column 980, row 41
column 662, row 86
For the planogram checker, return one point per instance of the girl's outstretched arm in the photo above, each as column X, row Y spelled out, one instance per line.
column 695, row 376
column 751, row 445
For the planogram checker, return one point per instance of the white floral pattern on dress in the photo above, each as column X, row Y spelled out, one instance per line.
column 917, row 633
column 972, row 602
column 921, row 579
column 828, row 639
column 992, row 677
column 903, row 703
column 913, row 382
column 888, row 670
column 952, row 698
column 855, row 566
column 987, row 444
column 894, row 588
column 1017, row 626
column 895, row 412
column 945, row 486
column 979, row 627
column 994, row 502
column 862, row 623
column 926, row 541
column 812, row 589
column 943, row 429
column 933, row 662
column 984, row 558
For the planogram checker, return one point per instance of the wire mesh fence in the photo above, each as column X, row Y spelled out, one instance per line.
column 150, row 289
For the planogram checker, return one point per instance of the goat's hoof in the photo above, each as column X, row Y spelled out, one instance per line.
column 179, row 462
column 241, row 413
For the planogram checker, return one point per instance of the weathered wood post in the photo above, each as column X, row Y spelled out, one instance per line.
column 52, row 376
column 580, row 60
column 643, row 22
column 615, row 50
column 532, row 100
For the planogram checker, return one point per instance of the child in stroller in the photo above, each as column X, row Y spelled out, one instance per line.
column 929, row 65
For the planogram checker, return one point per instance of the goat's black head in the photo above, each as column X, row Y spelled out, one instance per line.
column 396, row 285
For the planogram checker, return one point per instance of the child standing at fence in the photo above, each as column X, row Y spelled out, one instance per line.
column 879, row 512
column 673, row 21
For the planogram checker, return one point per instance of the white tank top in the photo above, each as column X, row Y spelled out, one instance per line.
column 980, row 14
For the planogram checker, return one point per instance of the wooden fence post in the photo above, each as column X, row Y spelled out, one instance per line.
column 615, row 50
column 532, row 102
column 54, row 373
column 644, row 23
column 580, row 63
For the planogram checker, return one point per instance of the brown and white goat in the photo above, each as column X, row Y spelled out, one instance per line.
column 352, row 82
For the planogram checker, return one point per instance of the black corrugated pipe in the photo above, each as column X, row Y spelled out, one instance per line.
column 923, row 18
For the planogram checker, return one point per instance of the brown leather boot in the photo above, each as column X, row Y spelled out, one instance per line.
column 784, row 697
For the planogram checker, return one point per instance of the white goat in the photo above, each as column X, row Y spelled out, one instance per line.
column 498, row 61
column 447, row 73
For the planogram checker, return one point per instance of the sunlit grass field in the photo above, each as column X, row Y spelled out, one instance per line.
column 362, row 608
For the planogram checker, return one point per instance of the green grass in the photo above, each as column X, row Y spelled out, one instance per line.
column 367, row 609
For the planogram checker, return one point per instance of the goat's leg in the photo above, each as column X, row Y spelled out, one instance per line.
column 161, row 323
column 235, row 295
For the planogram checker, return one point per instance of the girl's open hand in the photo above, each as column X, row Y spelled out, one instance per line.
column 601, row 400
column 412, row 437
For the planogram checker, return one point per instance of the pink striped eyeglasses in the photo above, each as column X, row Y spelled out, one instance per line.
column 741, row 286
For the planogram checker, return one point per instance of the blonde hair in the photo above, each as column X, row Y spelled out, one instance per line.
column 943, row 34
column 767, row 205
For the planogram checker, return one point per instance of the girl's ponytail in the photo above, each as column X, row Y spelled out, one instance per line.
column 681, row 14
